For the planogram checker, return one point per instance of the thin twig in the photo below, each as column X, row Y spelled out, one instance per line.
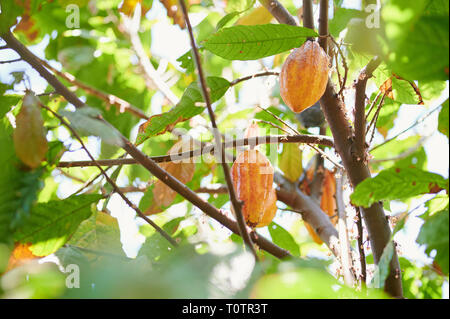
column 417, row 122
column 209, row 149
column 362, row 255
column 403, row 154
column 11, row 61
column 249, row 77
column 372, row 105
column 298, row 133
column 344, row 64
column 236, row 204
column 110, row 181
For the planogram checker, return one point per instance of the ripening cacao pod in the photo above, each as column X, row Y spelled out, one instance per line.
column 304, row 76
column 270, row 210
column 252, row 176
column 327, row 203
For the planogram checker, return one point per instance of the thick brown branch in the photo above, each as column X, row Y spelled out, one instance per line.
column 311, row 212
column 323, row 25
column 308, row 18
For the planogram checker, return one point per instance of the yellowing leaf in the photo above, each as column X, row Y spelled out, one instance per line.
column 291, row 161
column 183, row 170
column 29, row 137
column 128, row 7
column 20, row 254
column 258, row 15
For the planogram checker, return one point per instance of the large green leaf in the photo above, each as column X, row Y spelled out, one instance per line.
column 184, row 110
column 424, row 54
column 283, row 238
column 51, row 224
column 434, row 234
column 396, row 183
column 253, row 42
column 99, row 232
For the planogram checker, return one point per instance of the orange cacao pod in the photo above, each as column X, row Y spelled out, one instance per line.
column 304, row 76
column 252, row 176
column 270, row 210
column 327, row 203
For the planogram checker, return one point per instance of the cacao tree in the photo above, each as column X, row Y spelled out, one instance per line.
column 224, row 149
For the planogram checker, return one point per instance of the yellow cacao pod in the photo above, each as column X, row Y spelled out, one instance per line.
column 252, row 176
column 304, row 76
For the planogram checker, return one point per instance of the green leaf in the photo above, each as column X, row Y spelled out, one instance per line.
column 187, row 62
column 443, row 119
column 84, row 120
column 184, row 110
column 341, row 18
column 434, row 234
column 252, row 42
column 396, row 183
column 382, row 269
column 226, row 19
column 291, row 161
column 404, row 92
column 100, row 232
column 18, row 189
column 51, row 224
column 424, row 53
column 8, row 17
column 283, row 238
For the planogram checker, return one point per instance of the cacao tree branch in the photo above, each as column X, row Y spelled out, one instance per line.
column 323, row 25
column 374, row 217
column 291, row 195
column 210, row 149
column 149, row 164
column 278, row 11
column 237, row 205
column 360, row 108
column 308, row 17
column 249, row 77
column 360, row 239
